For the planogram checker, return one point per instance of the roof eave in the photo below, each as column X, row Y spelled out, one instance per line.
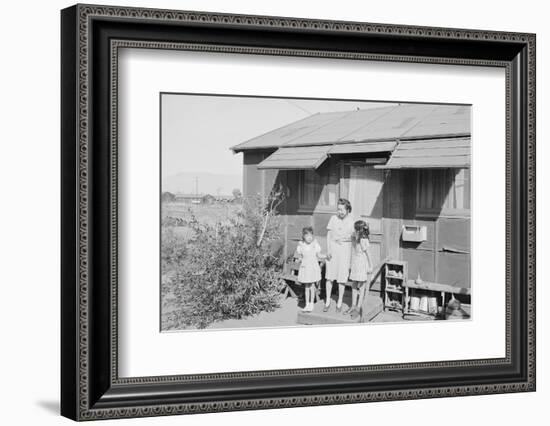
column 236, row 149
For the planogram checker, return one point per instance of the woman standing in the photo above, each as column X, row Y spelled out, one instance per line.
column 340, row 230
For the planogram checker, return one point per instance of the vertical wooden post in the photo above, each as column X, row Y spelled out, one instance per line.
column 405, row 304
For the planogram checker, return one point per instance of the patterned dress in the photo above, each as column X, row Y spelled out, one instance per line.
column 310, row 271
column 359, row 260
column 340, row 248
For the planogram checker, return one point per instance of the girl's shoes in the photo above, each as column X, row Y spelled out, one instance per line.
column 326, row 308
column 338, row 309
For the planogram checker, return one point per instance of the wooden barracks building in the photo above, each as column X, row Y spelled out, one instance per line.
column 405, row 169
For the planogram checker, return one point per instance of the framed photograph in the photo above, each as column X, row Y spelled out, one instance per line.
column 263, row 212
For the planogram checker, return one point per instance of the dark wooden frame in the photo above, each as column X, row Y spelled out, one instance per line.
column 90, row 386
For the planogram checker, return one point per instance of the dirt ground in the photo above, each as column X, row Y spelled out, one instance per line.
column 287, row 313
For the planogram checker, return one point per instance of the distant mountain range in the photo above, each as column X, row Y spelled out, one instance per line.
column 207, row 183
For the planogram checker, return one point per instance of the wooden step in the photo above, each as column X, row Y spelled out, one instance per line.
column 373, row 307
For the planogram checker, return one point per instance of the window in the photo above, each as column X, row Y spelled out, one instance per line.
column 458, row 197
column 443, row 191
column 319, row 189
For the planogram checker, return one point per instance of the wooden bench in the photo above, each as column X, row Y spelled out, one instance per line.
column 442, row 289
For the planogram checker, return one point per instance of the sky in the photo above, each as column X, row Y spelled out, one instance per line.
column 198, row 131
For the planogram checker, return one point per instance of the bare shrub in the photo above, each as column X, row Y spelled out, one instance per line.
column 229, row 269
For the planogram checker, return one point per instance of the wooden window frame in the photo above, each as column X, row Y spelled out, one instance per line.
column 444, row 211
column 304, row 208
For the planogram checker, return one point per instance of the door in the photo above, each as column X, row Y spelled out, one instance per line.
column 365, row 189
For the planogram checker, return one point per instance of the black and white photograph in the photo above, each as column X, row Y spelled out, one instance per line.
column 295, row 212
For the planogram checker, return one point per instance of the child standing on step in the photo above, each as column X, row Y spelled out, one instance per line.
column 361, row 267
column 339, row 234
column 309, row 274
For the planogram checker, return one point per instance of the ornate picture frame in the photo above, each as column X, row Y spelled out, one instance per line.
column 91, row 37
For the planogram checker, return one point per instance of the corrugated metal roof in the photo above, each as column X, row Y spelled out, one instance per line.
column 339, row 129
column 406, row 121
column 436, row 153
column 282, row 135
column 296, row 158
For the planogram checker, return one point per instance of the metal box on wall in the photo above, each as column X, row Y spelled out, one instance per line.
column 413, row 233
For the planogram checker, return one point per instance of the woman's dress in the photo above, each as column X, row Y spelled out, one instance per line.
column 359, row 261
column 338, row 266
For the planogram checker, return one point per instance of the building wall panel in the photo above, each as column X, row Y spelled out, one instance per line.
column 454, row 269
column 453, row 234
column 420, row 262
column 391, row 236
column 320, row 222
column 252, row 177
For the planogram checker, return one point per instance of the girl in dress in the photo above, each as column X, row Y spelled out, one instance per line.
column 340, row 229
column 309, row 274
column 361, row 266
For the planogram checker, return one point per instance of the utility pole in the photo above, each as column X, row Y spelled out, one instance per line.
column 196, row 185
